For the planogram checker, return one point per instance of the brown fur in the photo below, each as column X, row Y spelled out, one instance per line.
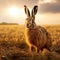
column 37, row 37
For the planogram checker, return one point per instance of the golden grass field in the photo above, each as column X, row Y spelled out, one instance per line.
column 13, row 46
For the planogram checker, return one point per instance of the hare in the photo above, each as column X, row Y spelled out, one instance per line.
column 36, row 36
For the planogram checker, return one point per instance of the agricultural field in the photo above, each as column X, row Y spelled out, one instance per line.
column 14, row 47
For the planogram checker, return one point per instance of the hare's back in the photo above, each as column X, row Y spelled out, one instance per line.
column 43, row 31
column 46, row 35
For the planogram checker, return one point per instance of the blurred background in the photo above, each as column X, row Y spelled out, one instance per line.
column 12, row 11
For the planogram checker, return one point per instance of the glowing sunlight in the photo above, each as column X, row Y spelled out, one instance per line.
column 13, row 11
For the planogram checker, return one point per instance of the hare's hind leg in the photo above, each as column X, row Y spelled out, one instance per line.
column 49, row 45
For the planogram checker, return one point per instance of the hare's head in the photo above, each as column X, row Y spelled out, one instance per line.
column 30, row 20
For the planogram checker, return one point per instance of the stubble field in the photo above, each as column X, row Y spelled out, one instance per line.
column 13, row 46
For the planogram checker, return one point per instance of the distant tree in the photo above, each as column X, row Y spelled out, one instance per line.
column 5, row 23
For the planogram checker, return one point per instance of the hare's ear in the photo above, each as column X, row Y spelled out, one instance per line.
column 27, row 12
column 34, row 10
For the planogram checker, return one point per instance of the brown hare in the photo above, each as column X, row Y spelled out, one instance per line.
column 36, row 36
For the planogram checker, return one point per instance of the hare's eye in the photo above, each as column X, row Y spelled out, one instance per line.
column 28, row 25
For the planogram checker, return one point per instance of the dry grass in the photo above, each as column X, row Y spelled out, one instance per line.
column 13, row 46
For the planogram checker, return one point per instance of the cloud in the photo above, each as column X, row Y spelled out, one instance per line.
column 50, row 7
column 20, row 3
column 43, row 6
column 29, row 3
column 57, row 1
column 4, row 4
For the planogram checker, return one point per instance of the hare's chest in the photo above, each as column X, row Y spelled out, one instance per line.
column 32, row 34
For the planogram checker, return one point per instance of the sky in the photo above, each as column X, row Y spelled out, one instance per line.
column 12, row 11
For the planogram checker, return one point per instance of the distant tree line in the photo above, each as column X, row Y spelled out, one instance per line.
column 5, row 23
